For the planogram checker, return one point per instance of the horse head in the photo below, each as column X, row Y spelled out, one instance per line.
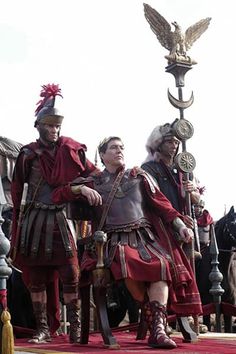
column 225, row 229
column 230, row 225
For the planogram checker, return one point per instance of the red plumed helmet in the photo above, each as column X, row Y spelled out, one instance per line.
column 45, row 111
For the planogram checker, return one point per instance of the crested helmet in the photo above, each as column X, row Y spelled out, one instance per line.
column 46, row 112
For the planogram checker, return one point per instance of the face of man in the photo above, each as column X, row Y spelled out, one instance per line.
column 198, row 210
column 113, row 157
column 169, row 147
column 49, row 133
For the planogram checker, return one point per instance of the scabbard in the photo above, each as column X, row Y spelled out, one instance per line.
column 20, row 218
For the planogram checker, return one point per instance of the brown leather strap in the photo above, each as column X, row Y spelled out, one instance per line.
column 110, row 198
column 141, row 247
column 49, row 233
column 64, row 233
column 111, row 253
column 26, row 230
column 37, row 233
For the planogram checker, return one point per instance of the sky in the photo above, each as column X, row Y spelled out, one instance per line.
column 111, row 70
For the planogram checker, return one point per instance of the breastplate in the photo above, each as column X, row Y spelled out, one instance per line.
column 127, row 206
column 39, row 189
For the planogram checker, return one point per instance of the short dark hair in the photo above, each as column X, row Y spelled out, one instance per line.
column 102, row 147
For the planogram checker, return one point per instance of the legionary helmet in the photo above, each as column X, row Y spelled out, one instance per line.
column 46, row 112
column 201, row 203
column 159, row 134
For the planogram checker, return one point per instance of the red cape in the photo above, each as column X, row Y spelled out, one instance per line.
column 205, row 219
column 66, row 165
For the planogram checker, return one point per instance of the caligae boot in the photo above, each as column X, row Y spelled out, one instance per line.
column 73, row 318
column 42, row 334
column 156, row 318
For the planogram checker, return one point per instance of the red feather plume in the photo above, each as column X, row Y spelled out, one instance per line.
column 48, row 91
column 202, row 189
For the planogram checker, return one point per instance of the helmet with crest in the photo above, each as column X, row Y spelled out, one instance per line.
column 46, row 112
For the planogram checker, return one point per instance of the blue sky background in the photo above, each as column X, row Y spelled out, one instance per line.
column 111, row 70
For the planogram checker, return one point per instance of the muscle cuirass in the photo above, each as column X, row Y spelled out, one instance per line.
column 39, row 190
column 127, row 222
column 127, row 207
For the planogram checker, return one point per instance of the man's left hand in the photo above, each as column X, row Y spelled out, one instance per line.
column 188, row 221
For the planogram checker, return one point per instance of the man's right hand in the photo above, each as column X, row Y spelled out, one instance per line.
column 93, row 197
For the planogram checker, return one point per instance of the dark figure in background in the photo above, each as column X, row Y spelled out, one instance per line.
column 204, row 222
column 9, row 150
column 141, row 249
column 119, row 300
column 45, row 247
column 18, row 298
column 203, row 265
column 225, row 233
column 162, row 147
column 119, row 303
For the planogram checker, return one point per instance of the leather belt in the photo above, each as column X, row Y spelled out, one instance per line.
column 41, row 205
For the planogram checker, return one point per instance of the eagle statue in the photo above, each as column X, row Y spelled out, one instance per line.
column 177, row 42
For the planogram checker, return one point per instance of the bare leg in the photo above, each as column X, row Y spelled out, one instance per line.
column 39, row 296
column 69, row 297
column 155, row 313
column 158, row 291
